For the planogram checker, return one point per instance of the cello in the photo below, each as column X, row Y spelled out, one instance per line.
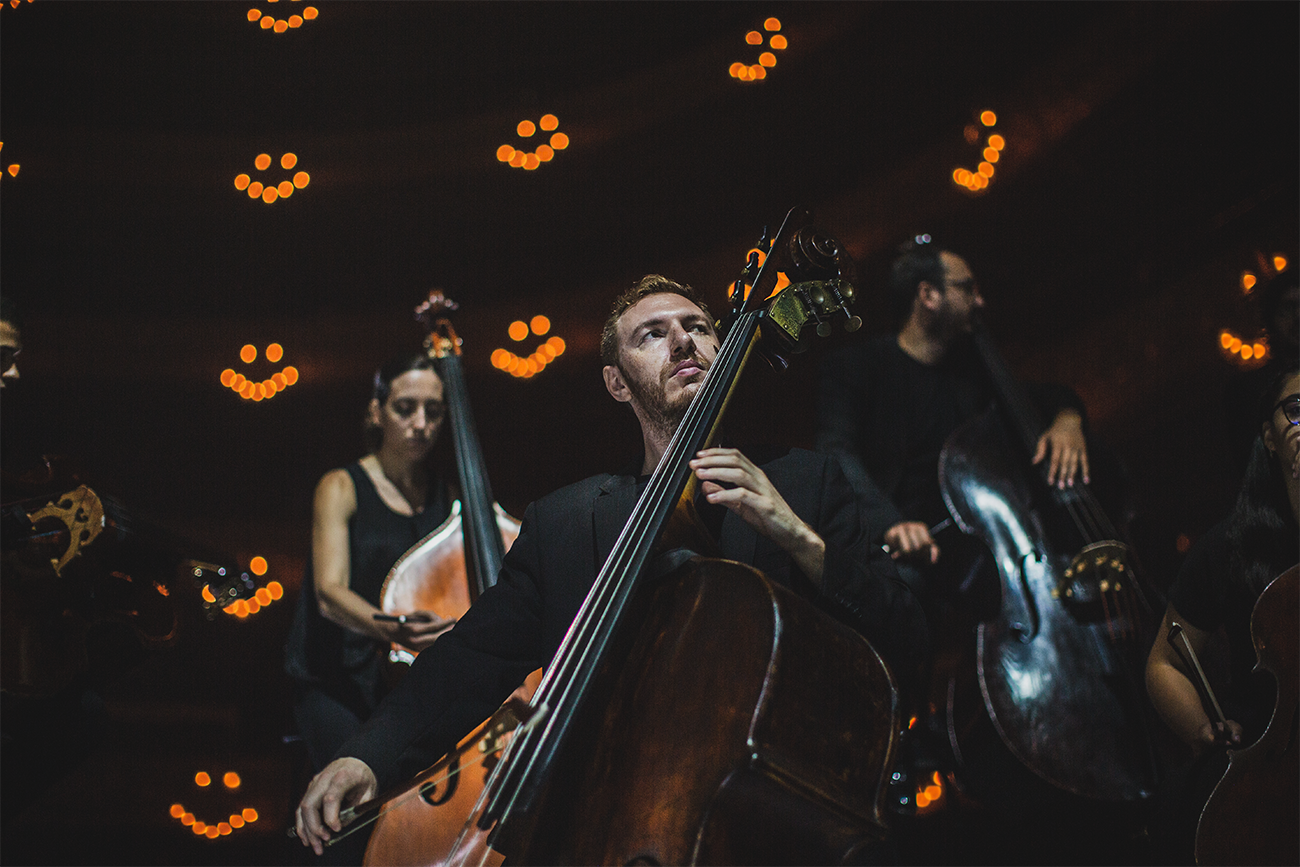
column 1250, row 818
column 444, row 572
column 777, row 749
column 1048, row 711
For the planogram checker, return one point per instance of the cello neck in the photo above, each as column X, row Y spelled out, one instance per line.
column 484, row 547
column 1023, row 415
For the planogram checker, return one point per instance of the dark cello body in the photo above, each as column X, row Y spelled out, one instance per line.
column 1251, row 818
column 675, row 723
column 1049, row 709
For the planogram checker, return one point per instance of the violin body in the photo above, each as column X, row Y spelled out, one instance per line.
column 431, row 576
column 747, row 728
column 1049, row 706
column 1251, row 817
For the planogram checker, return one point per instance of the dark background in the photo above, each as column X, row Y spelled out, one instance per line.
column 1152, row 154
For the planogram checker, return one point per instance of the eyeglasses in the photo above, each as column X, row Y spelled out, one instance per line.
column 1290, row 406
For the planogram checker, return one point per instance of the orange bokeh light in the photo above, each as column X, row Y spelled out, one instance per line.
column 753, row 37
column 270, row 194
column 517, row 159
column 227, row 377
column 295, row 21
column 548, row 122
column 301, row 179
column 1247, row 280
column 545, row 154
column 504, row 153
column 242, row 182
column 500, row 358
column 263, row 162
column 254, row 14
column 997, row 141
column 310, row 13
column 250, row 815
column 778, row 42
column 236, row 820
column 199, row 829
column 1247, row 351
column 772, row 25
column 254, row 189
column 988, row 118
column 986, row 169
column 288, row 161
column 276, row 589
column 187, row 819
column 1225, row 339
column 267, row 23
column 177, row 811
column 285, row 189
column 248, row 354
column 531, row 162
column 263, row 596
column 526, row 128
column 517, row 330
column 223, row 828
column 991, row 154
column 231, row 780
column 540, row 325
column 559, row 141
column 274, row 353
column 767, row 58
column 13, row 170
column 281, row 25
column 1260, row 350
column 556, row 343
column 202, row 779
column 758, row 71
column 257, row 566
column 291, row 375
column 1279, row 263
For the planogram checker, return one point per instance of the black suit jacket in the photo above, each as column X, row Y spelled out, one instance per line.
column 516, row 626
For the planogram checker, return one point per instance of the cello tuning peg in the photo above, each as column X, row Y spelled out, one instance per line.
column 823, row 329
column 854, row 323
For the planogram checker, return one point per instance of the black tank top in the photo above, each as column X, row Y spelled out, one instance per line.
column 344, row 663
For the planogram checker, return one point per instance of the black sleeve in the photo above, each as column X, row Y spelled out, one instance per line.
column 839, row 433
column 464, row 676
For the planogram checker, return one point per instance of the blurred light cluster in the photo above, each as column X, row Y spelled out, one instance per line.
column 262, row 598
column 15, row 3
column 1245, row 353
column 758, row 71
column 979, row 178
column 1279, row 264
column 233, row 822
column 267, row 388
column 269, row 192
column 543, row 153
column 13, row 168
column 526, row 367
column 929, row 793
column 281, row 25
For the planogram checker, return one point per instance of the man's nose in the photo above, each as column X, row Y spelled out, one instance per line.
column 683, row 341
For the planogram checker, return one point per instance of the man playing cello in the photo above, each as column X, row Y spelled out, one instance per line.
column 794, row 516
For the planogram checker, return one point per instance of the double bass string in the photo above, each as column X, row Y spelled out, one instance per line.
column 585, row 641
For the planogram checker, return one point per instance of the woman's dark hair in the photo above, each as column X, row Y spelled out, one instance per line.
column 1262, row 532
column 383, row 386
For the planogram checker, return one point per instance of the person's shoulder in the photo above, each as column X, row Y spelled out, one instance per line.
column 861, row 349
column 582, row 491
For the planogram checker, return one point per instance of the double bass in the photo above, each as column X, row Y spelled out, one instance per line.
column 1049, row 712
column 444, row 572
column 695, row 711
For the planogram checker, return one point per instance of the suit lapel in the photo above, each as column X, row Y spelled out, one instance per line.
column 610, row 511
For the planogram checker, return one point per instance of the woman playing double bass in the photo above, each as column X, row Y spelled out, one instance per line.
column 365, row 516
column 1218, row 585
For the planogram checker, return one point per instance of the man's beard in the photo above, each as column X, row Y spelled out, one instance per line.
column 655, row 405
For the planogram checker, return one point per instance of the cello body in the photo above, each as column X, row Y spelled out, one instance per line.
column 1251, row 817
column 431, row 576
column 706, row 748
column 1050, row 706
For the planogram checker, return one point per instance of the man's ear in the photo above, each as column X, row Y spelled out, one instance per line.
column 928, row 295
column 615, row 385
